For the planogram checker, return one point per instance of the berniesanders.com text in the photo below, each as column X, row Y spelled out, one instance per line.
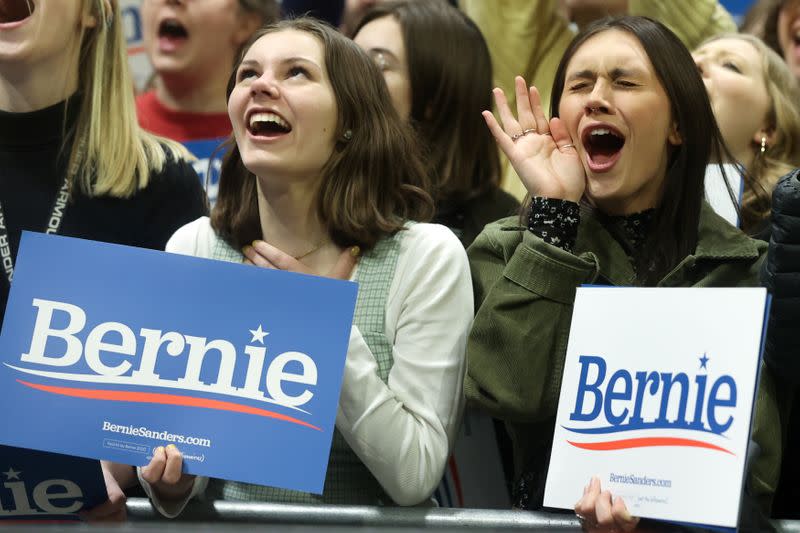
column 164, row 436
column 630, row 479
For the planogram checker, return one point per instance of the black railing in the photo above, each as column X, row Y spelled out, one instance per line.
column 359, row 516
column 374, row 518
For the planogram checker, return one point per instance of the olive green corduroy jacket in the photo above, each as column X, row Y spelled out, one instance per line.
column 524, row 294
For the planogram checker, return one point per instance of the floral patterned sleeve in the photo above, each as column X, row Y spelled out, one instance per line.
column 554, row 221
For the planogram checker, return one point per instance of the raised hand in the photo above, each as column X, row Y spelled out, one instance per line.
column 541, row 152
column 599, row 512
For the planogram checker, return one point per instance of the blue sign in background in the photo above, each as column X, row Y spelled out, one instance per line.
column 209, row 154
column 222, row 435
column 737, row 8
column 39, row 486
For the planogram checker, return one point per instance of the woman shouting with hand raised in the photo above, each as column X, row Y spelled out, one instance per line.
column 615, row 185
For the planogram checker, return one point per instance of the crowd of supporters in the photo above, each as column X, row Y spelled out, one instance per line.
column 469, row 164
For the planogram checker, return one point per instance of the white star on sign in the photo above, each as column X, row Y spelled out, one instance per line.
column 12, row 474
column 258, row 334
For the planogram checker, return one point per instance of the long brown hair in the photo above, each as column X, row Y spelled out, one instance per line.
column 450, row 72
column 372, row 183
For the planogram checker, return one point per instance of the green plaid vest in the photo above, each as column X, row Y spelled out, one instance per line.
column 347, row 481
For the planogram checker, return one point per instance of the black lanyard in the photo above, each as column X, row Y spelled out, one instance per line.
column 52, row 227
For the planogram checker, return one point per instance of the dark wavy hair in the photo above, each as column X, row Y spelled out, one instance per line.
column 372, row 183
column 674, row 228
column 450, row 72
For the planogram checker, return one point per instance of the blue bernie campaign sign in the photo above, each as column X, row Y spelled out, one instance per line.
column 209, row 153
column 110, row 351
column 41, row 487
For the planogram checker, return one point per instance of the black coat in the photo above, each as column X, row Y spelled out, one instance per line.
column 781, row 276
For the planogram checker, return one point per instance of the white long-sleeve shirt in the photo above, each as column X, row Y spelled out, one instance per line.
column 403, row 430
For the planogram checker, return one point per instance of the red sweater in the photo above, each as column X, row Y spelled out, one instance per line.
column 180, row 126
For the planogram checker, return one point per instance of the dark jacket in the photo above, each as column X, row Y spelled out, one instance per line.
column 467, row 219
column 525, row 290
column 781, row 275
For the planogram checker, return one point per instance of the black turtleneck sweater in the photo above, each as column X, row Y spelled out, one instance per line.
column 33, row 155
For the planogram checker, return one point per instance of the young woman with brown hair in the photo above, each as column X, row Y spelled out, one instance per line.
column 439, row 73
column 615, row 178
column 324, row 178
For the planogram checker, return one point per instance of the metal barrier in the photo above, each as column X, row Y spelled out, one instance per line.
column 787, row 526
column 360, row 516
column 374, row 518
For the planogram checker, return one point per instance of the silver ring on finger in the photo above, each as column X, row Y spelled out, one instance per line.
column 523, row 134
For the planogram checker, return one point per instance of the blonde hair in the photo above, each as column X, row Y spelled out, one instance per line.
column 782, row 153
column 111, row 155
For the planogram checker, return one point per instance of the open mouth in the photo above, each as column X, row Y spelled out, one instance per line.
column 603, row 145
column 267, row 124
column 15, row 10
column 171, row 33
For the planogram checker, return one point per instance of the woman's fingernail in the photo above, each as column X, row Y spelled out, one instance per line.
column 172, row 447
column 158, row 450
column 246, row 249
